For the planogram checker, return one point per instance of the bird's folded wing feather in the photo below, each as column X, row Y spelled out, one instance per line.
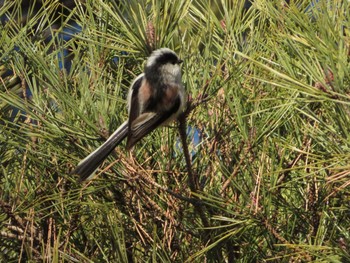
column 147, row 122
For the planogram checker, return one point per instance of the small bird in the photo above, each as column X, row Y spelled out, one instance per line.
column 155, row 98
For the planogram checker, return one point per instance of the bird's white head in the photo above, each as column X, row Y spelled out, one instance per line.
column 163, row 65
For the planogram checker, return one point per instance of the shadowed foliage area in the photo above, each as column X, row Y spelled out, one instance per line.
column 268, row 132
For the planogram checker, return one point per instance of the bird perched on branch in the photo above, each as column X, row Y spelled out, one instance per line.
column 155, row 98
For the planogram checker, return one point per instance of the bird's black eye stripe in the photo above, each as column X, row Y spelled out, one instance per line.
column 167, row 57
column 178, row 61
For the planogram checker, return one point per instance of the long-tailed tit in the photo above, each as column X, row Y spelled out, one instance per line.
column 155, row 98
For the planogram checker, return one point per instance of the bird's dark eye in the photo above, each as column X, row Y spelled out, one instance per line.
column 178, row 61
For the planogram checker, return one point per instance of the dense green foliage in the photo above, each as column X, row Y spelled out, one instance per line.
column 270, row 91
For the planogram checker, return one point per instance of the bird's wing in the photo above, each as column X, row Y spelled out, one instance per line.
column 133, row 99
column 148, row 121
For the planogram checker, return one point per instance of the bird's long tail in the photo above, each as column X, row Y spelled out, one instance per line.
column 88, row 166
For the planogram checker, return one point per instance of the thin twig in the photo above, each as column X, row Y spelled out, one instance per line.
column 192, row 179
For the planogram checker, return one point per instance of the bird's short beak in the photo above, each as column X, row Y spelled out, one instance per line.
column 180, row 61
